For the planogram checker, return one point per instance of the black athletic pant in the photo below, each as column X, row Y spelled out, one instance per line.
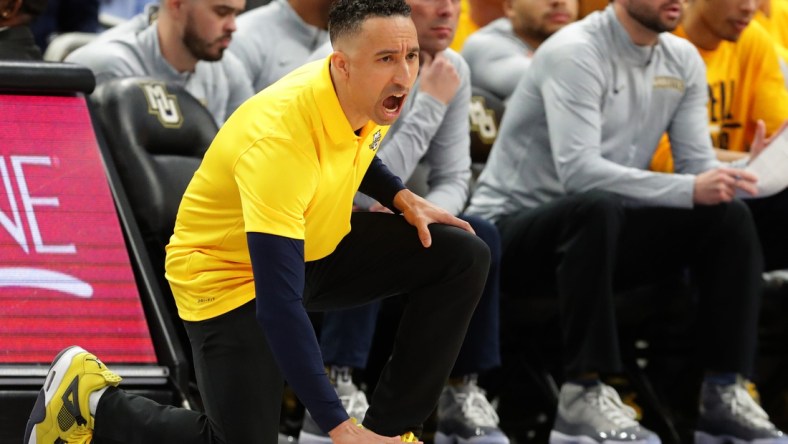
column 771, row 220
column 240, row 383
column 587, row 246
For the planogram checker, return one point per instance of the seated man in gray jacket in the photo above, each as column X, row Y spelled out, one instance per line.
column 185, row 45
column 498, row 54
column 568, row 187
column 274, row 39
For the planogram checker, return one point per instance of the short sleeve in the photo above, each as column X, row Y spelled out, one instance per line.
column 276, row 181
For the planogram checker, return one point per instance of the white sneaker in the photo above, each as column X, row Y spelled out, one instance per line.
column 594, row 415
column 465, row 416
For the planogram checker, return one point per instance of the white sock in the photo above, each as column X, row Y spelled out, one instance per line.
column 93, row 400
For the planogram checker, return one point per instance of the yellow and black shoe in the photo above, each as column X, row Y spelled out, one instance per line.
column 61, row 413
column 409, row 437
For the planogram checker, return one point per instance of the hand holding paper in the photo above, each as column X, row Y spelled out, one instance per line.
column 769, row 162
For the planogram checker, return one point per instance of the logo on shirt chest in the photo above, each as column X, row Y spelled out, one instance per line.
column 664, row 82
column 375, row 141
column 723, row 122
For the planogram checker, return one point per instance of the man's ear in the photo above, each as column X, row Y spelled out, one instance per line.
column 341, row 63
column 174, row 7
column 508, row 8
column 9, row 9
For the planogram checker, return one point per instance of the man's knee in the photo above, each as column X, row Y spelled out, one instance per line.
column 461, row 251
column 733, row 217
column 487, row 232
column 598, row 206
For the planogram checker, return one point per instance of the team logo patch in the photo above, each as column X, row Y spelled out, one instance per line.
column 375, row 141
column 163, row 105
column 482, row 120
column 662, row 82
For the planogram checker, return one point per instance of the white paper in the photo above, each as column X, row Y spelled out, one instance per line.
column 771, row 167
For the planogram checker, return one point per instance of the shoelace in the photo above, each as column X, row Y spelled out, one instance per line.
column 744, row 406
column 609, row 403
column 476, row 407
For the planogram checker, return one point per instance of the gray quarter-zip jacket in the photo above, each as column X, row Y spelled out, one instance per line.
column 588, row 114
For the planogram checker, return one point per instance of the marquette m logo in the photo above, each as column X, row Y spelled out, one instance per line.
column 482, row 120
column 375, row 141
column 163, row 105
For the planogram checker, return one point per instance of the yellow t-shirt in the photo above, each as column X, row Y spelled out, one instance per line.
column 465, row 26
column 287, row 163
column 745, row 85
column 776, row 25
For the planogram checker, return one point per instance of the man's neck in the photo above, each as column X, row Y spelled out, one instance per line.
column 172, row 48
column 532, row 41
column 310, row 14
column 343, row 96
column 483, row 12
column 640, row 35
column 698, row 32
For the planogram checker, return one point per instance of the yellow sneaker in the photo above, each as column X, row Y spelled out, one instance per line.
column 409, row 437
column 61, row 412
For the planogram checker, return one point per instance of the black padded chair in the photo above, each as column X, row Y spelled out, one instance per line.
column 157, row 135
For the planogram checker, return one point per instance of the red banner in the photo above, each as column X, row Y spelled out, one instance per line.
column 65, row 275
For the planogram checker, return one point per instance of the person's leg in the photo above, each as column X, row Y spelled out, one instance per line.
column 464, row 412
column 346, row 335
column 481, row 349
column 239, row 382
column 569, row 246
column 720, row 243
column 721, row 246
column 382, row 256
column 771, row 219
column 126, row 418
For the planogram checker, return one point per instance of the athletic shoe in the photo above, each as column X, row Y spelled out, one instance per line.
column 465, row 416
column 61, row 412
column 409, row 437
column 595, row 414
column 353, row 399
column 728, row 413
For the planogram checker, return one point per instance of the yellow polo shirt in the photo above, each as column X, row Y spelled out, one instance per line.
column 745, row 85
column 287, row 163
column 776, row 25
